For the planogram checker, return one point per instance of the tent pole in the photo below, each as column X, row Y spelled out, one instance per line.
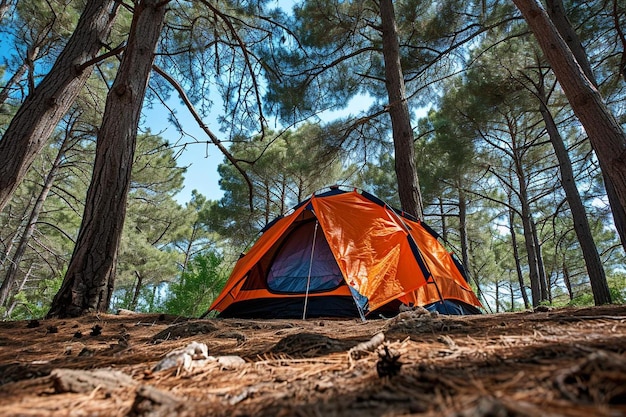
column 308, row 281
column 445, row 306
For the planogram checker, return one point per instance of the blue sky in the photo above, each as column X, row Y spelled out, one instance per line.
column 201, row 159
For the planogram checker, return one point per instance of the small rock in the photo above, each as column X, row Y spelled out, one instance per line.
column 183, row 358
column 230, row 362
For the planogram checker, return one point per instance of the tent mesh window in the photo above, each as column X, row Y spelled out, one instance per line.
column 289, row 272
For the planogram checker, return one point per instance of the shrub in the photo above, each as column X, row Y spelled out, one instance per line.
column 198, row 286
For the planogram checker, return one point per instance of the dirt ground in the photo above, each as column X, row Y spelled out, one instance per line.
column 562, row 362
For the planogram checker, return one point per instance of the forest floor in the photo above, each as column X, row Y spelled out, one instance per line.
column 559, row 362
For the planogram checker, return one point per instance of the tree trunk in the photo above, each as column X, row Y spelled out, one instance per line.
column 619, row 212
column 4, row 256
column 90, row 277
column 557, row 14
column 12, row 270
column 605, row 134
column 541, row 269
column 529, row 240
column 13, row 302
column 497, row 295
column 406, row 173
column 153, row 300
column 518, row 266
column 135, row 300
column 463, row 228
column 593, row 263
column 535, row 286
column 15, row 78
column 267, row 204
column 35, row 120
column 188, row 249
column 444, row 226
column 567, row 281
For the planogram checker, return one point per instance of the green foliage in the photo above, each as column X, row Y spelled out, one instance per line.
column 34, row 304
column 198, row 286
column 43, row 258
column 583, row 299
column 617, row 287
column 214, row 51
column 153, row 220
column 150, row 298
column 286, row 169
column 379, row 179
column 54, row 19
column 618, row 294
column 196, row 236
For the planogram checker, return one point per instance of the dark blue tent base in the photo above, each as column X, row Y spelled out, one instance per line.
column 292, row 308
column 328, row 306
column 452, row 307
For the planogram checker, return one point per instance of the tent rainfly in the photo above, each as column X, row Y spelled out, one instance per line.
column 345, row 254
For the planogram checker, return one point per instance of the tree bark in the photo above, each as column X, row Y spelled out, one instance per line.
column 557, row 14
column 593, row 263
column 35, row 120
column 518, row 266
column 137, row 291
column 90, row 277
column 497, row 295
column 406, row 173
column 535, row 284
column 465, row 249
column 8, row 241
column 188, row 249
column 12, row 301
column 605, row 134
column 527, row 224
column 567, row 281
column 541, row 269
column 444, row 226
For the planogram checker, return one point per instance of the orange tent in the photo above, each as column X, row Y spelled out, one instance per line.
column 343, row 253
